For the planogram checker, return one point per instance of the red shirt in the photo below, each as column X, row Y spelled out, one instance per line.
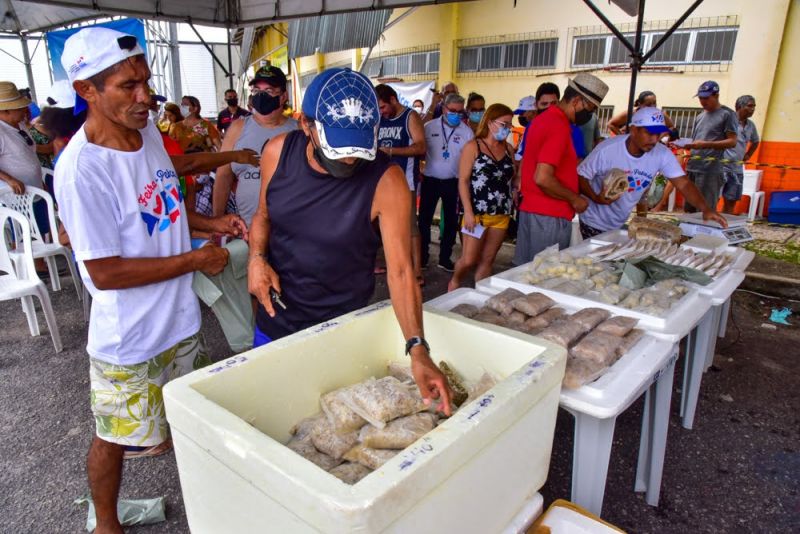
column 549, row 141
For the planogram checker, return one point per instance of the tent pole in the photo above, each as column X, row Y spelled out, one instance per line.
column 230, row 62
column 670, row 31
column 175, row 61
column 210, row 50
column 610, row 25
column 636, row 59
column 26, row 58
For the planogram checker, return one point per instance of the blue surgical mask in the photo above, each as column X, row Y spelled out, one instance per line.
column 453, row 118
column 502, row 133
column 475, row 116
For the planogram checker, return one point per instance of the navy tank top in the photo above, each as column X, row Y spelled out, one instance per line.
column 322, row 242
column 396, row 134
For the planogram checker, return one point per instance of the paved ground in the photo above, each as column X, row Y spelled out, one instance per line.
column 738, row 471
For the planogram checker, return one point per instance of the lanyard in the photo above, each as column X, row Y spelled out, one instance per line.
column 445, row 145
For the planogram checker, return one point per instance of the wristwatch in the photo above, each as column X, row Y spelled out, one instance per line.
column 414, row 341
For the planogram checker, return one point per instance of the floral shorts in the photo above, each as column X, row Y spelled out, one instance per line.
column 127, row 401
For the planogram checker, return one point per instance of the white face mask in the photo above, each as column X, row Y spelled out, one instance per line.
column 185, row 111
column 418, row 109
column 154, row 115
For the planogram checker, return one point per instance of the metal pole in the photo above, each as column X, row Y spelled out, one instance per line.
column 365, row 59
column 210, row 50
column 230, row 62
column 636, row 59
column 175, row 61
column 610, row 25
column 26, row 58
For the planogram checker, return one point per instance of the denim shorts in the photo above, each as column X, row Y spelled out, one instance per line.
column 732, row 190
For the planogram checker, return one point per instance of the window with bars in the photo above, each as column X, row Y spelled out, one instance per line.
column 692, row 46
column 604, row 114
column 403, row 64
column 683, row 119
column 532, row 54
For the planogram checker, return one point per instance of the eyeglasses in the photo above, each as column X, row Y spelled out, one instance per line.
column 26, row 137
column 271, row 91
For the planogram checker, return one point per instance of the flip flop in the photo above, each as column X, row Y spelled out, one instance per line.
column 132, row 452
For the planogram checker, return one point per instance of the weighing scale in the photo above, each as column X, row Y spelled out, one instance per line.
column 692, row 224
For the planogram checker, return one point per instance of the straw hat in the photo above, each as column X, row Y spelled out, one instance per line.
column 591, row 87
column 10, row 98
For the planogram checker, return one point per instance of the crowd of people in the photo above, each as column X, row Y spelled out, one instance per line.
column 315, row 196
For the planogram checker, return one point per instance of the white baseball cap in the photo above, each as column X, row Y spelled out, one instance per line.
column 526, row 103
column 62, row 95
column 93, row 50
column 651, row 119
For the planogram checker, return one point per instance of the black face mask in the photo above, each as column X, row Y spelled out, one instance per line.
column 232, row 102
column 523, row 121
column 335, row 167
column 582, row 117
column 265, row 104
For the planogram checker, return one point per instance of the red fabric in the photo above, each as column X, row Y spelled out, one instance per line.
column 549, row 141
column 174, row 149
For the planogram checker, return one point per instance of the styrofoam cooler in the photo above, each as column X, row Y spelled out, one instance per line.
column 476, row 472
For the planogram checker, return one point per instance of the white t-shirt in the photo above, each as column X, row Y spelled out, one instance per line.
column 442, row 140
column 128, row 204
column 613, row 154
column 18, row 158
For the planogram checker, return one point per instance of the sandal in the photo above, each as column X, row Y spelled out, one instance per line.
column 132, row 452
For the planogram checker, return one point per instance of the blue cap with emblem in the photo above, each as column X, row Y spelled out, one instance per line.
column 707, row 89
column 344, row 108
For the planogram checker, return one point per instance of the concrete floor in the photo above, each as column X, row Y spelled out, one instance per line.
column 737, row 471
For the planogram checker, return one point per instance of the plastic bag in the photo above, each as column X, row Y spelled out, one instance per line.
column 632, row 300
column 456, row 384
column 543, row 320
column 371, row 458
column 590, row 317
column 615, row 183
column 598, row 347
column 564, row 332
column 574, row 287
column 515, row 317
column 629, row 341
column 580, row 372
column 501, row 303
column 401, row 372
column 304, row 446
column 398, row 434
column 613, row 293
column 350, row 473
column 379, row 401
column 129, row 511
column 490, row 316
column 326, row 440
column 617, row 326
column 467, row 310
column 533, row 304
column 484, row 384
column 340, row 415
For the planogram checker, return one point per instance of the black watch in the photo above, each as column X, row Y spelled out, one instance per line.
column 414, row 341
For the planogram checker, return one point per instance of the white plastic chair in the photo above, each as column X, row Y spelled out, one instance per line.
column 23, row 204
column 751, row 188
column 20, row 280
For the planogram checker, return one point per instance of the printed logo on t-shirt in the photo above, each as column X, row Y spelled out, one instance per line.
column 160, row 206
column 250, row 175
column 638, row 180
column 390, row 132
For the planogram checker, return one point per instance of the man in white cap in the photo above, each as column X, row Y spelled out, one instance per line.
column 121, row 203
column 549, row 177
column 313, row 241
column 641, row 156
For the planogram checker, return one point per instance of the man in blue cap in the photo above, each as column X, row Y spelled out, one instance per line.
column 313, row 241
column 639, row 157
column 714, row 131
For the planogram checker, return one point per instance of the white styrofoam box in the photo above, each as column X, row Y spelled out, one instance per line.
column 562, row 520
column 614, row 391
column 752, row 181
column 678, row 322
column 473, row 473
column 529, row 513
column 720, row 289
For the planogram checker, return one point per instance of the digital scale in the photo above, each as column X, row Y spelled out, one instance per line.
column 692, row 224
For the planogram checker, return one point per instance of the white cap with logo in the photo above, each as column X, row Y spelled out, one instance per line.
column 93, row 50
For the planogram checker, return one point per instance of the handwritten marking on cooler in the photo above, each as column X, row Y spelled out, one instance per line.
column 669, row 363
column 410, row 457
column 227, row 364
column 481, row 404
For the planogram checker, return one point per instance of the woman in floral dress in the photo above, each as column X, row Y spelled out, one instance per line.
column 486, row 170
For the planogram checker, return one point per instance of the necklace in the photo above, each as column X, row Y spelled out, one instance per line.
column 446, row 143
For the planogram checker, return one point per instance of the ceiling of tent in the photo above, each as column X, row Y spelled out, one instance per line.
column 24, row 16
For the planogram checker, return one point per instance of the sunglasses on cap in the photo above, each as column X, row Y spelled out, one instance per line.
column 127, row 42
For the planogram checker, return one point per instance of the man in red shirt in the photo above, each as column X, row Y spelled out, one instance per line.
column 549, row 174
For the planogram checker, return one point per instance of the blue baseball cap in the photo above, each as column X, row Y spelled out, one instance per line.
column 651, row 119
column 344, row 107
column 707, row 89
